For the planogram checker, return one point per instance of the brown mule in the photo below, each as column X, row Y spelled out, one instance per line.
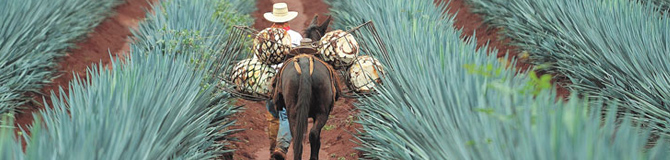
column 307, row 87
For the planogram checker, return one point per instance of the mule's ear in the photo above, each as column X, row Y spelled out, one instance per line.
column 314, row 21
column 324, row 25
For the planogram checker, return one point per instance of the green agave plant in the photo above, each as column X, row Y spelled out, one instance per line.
column 228, row 11
column 154, row 104
column 9, row 146
column 151, row 107
column 609, row 49
column 33, row 33
column 432, row 107
column 192, row 27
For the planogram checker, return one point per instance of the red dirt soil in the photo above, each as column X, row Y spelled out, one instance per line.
column 110, row 36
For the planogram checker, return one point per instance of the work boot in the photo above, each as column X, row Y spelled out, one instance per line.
column 279, row 154
column 273, row 128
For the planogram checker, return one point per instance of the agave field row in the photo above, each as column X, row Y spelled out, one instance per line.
column 157, row 103
column 446, row 99
column 608, row 49
column 33, row 34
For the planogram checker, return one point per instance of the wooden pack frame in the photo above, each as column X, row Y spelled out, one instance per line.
column 238, row 47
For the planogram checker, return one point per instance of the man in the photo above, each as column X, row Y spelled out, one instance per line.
column 278, row 128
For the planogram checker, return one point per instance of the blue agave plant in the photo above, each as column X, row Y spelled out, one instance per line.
column 432, row 107
column 33, row 33
column 154, row 104
column 608, row 49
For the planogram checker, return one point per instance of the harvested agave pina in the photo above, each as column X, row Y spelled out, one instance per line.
column 252, row 77
column 338, row 48
column 365, row 73
column 271, row 45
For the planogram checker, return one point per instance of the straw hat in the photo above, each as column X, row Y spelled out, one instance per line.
column 280, row 13
column 304, row 48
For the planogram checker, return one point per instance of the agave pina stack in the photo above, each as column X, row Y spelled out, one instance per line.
column 338, row 48
column 365, row 73
column 252, row 76
column 271, row 45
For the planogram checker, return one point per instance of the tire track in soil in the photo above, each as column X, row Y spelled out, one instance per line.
column 472, row 23
column 336, row 142
column 112, row 34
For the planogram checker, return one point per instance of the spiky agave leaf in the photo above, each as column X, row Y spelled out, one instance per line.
column 196, row 28
column 32, row 34
column 151, row 107
column 190, row 27
column 182, row 19
column 432, row 107
column 182, row 27
column 611, row 49
column 235, row 11
column 10, row 146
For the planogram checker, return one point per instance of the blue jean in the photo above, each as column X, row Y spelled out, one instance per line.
column 284, row 134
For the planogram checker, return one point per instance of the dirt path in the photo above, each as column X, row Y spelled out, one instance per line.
column 337, row 139
column 110, row 35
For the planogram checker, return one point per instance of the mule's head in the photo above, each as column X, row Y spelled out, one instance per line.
column 315, row 31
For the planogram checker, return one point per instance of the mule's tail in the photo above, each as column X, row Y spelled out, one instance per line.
column 303, row 105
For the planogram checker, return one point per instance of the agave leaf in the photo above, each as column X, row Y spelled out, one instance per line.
column 608, row 49
column 33, row 33
column 440, row 110
column 158, row 103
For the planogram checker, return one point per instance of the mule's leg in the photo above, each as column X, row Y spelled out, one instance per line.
column 315, row 135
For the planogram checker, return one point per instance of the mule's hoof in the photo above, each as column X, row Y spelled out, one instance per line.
column 278, row 155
